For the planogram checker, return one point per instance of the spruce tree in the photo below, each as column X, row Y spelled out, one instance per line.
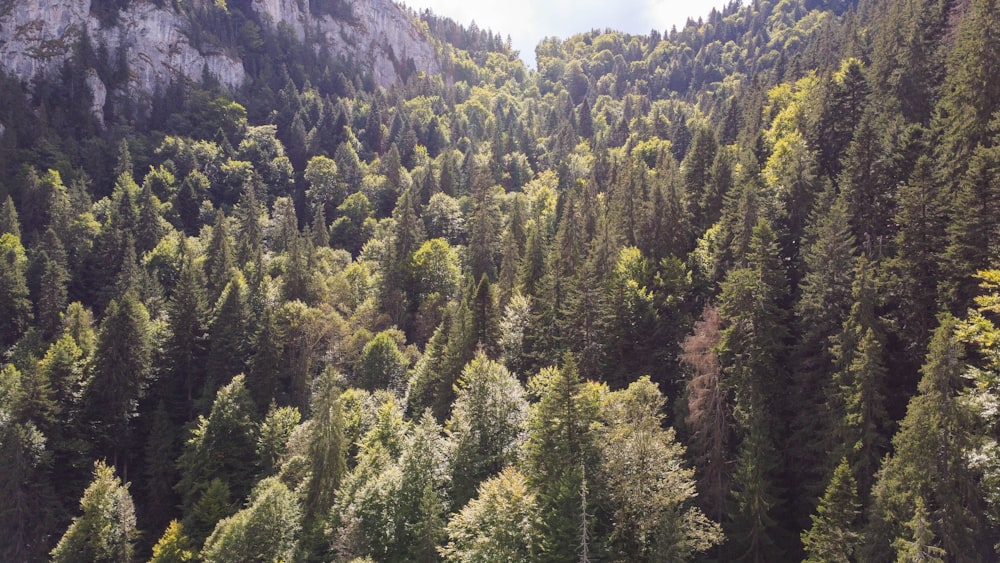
column 15, row 307
column 937, row 420
column 122, row 368
column 753, row 348
column 561, row 449
column 834, row 536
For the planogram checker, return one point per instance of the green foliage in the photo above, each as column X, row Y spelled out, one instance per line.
column 649, row 490
column 122, row 367
column 16, row 308
column 221, row 453
column 106, row 529
column 266, row 530
column 382, row 365
column 833, row 536
column 818, row 177
column 502, row 523
column 937, row 420
column 173, row 546
column 486, row 427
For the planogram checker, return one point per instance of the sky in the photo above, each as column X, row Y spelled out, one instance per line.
column 528, row 21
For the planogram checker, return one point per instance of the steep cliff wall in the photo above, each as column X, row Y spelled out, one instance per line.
column 379, row 36
column 37, row 36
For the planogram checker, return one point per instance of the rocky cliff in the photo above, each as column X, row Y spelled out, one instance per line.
column 37, row 36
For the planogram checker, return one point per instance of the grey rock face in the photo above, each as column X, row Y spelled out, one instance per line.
column 37, row 36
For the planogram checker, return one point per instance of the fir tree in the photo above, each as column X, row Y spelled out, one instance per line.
column 833, row 536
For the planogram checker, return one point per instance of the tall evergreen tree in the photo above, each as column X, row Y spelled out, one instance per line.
column 15, row 307
column 122, row 369
column 833, row 536
column 753, row 349
column 937, row 420
column 560, row 450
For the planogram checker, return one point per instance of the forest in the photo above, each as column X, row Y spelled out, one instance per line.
column 729, row 292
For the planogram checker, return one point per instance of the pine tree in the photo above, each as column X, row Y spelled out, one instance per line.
column 919, row 242
column 185, row 345
column 843, row 106
column 220, row 447
column 823, row 305
column 53, row 285
column 9, row 222
column 327, row 447
column 219, row 259
column 973, row 236
column 937, row 420
column 696, row 171
column 398, row 286
column 229, row 335
column 561, row 446
column 28, row 513
column 250, row 235
column 122, row 368
column 970, row 94
column 15, row 308
column 919, row 546
column 752, row 350
column 833, row 536
column 157, row 498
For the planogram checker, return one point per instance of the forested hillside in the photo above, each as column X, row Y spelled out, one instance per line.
column 725, row 293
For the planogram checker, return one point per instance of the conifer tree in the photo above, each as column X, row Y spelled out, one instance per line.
column 9, row 222
column 823, row 305
column 250, row 235
column 15, row 307
column 919, row 243
column 753, row 348
column 856, row 396
column 228, row 336
column 833, row 536
column 919, row 545
column 398, row 286
column 696, row 171
column 53, row 285
column 122, row 368
column 220, row 447
column 970, row 94
column 327, row 446
column 937, row 420
column 219, row 257
column 709, row 414
column 561, row 448
column 973, row 236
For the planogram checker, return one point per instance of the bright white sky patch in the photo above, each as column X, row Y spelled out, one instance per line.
column 528, row 21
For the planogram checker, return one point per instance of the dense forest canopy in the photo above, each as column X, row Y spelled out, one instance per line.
column 728, row 292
